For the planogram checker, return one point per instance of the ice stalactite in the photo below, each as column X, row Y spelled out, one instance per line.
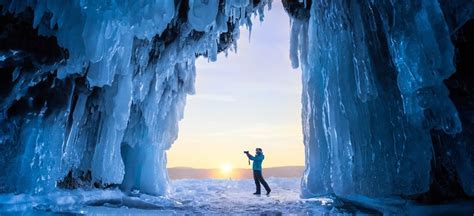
column 373, row 90
column 93, row 90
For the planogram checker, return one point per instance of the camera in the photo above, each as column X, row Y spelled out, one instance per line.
column 246, row 152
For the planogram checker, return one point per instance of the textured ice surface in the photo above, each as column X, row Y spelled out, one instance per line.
column 373, row 90
column 106, row 106
column 216, row 197
column 201, row 197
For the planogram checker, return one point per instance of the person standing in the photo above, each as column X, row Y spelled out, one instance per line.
column 257, row 170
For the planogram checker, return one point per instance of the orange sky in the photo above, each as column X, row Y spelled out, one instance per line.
column 250, row 99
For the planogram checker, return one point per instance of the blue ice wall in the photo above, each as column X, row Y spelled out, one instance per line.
column 103, row 105
column 373, row 91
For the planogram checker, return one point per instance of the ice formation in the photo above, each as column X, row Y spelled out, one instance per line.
column 100, row 102
column 92, row 91
column 373, row 95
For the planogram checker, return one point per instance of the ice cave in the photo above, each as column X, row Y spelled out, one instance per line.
column 92, row 92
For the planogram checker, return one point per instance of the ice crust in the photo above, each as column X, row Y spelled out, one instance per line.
column 373, row 89
column 216, row 197
column 129, row 67
column 188, row 197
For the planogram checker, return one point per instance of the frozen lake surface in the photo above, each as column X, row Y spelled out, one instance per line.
column 206, row 197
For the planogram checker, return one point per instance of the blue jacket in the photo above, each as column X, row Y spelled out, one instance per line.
column 257, row 161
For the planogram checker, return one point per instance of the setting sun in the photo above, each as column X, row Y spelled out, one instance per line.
column 226, row 168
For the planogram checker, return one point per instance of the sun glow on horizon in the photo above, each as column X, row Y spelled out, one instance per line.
column 226, row 168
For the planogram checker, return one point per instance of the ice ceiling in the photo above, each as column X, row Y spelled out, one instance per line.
column 92, row 91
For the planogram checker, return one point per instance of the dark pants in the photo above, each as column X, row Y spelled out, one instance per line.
column 257, row 176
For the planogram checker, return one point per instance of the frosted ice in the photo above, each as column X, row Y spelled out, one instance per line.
column 202, row 197
column 373, row 90
column 202, row 14
column 216, row 197
column 111, row 99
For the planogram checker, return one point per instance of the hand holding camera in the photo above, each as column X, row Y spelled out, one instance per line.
column 246, row 152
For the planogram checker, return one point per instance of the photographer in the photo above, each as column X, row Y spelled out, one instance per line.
column 257, row 170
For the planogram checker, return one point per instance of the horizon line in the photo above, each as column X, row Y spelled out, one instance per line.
column 186, row 167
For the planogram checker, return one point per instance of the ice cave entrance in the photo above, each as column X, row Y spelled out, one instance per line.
column 248, row 99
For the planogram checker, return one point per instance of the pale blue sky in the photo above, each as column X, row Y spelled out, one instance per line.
column 248, row 99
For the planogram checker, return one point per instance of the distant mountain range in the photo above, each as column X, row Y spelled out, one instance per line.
column 194, row 173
